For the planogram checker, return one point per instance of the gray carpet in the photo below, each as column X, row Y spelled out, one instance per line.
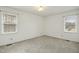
column 43, row 44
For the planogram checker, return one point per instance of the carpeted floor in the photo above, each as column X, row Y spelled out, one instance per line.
column 43, row 44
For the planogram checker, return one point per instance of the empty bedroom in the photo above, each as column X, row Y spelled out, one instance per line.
column 39, row 29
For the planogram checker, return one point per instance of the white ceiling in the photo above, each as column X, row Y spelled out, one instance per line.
column 48, row 10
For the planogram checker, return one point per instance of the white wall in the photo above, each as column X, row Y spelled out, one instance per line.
column 29, row 26
column 55, row 26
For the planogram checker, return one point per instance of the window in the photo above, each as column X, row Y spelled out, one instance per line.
column 9, row 23
column 70, row 24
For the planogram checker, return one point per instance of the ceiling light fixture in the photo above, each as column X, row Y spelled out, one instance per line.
column 41, row 8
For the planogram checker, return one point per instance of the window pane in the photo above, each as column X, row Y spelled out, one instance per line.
column 10, row 19
column 9, row 23
column 9, row 28
column 70, row 23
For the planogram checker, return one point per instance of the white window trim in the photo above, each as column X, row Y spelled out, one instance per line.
column 75, row 24
column 2, row 22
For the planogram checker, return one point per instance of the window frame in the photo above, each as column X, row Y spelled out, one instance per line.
column 75, row 24
column 2, row 22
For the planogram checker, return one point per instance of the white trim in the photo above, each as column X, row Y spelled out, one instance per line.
column 2, row 22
